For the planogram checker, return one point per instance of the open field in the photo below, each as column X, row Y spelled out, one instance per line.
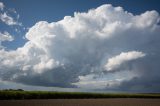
column 83, row 102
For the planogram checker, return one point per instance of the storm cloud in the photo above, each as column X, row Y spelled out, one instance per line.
column 104, row 48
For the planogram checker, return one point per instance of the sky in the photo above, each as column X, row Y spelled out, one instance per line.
column 80, row 45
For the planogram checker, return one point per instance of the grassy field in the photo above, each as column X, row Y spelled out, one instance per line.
column 13, row 95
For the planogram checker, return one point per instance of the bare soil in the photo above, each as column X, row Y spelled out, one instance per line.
column 83, row 102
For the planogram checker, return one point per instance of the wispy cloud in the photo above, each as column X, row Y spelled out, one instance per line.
column 1, row 6
column 8, row 19
column 5, row 37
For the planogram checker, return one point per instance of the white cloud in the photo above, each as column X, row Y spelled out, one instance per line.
column 146, row 19
column 6, row 37
column 57, row 53
column 45, row 64
column 8, row 19
column 1, row 6
column 116, row 61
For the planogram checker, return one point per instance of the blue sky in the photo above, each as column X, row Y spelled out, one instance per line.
column 80, row 45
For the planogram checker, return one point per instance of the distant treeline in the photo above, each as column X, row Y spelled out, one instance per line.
column 20, row 94
column 12, row 90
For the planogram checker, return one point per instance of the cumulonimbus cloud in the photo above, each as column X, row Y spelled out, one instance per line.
column 58, row 53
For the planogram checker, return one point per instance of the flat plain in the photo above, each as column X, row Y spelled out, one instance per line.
column 83, row 102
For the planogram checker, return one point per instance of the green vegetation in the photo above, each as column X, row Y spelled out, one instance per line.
column 20, row 94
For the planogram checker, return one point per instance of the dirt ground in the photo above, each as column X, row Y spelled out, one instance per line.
column 83, row 102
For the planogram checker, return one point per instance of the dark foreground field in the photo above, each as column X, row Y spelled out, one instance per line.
column 83, row 102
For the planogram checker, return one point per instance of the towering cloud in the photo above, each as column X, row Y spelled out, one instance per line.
column 81, row 51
